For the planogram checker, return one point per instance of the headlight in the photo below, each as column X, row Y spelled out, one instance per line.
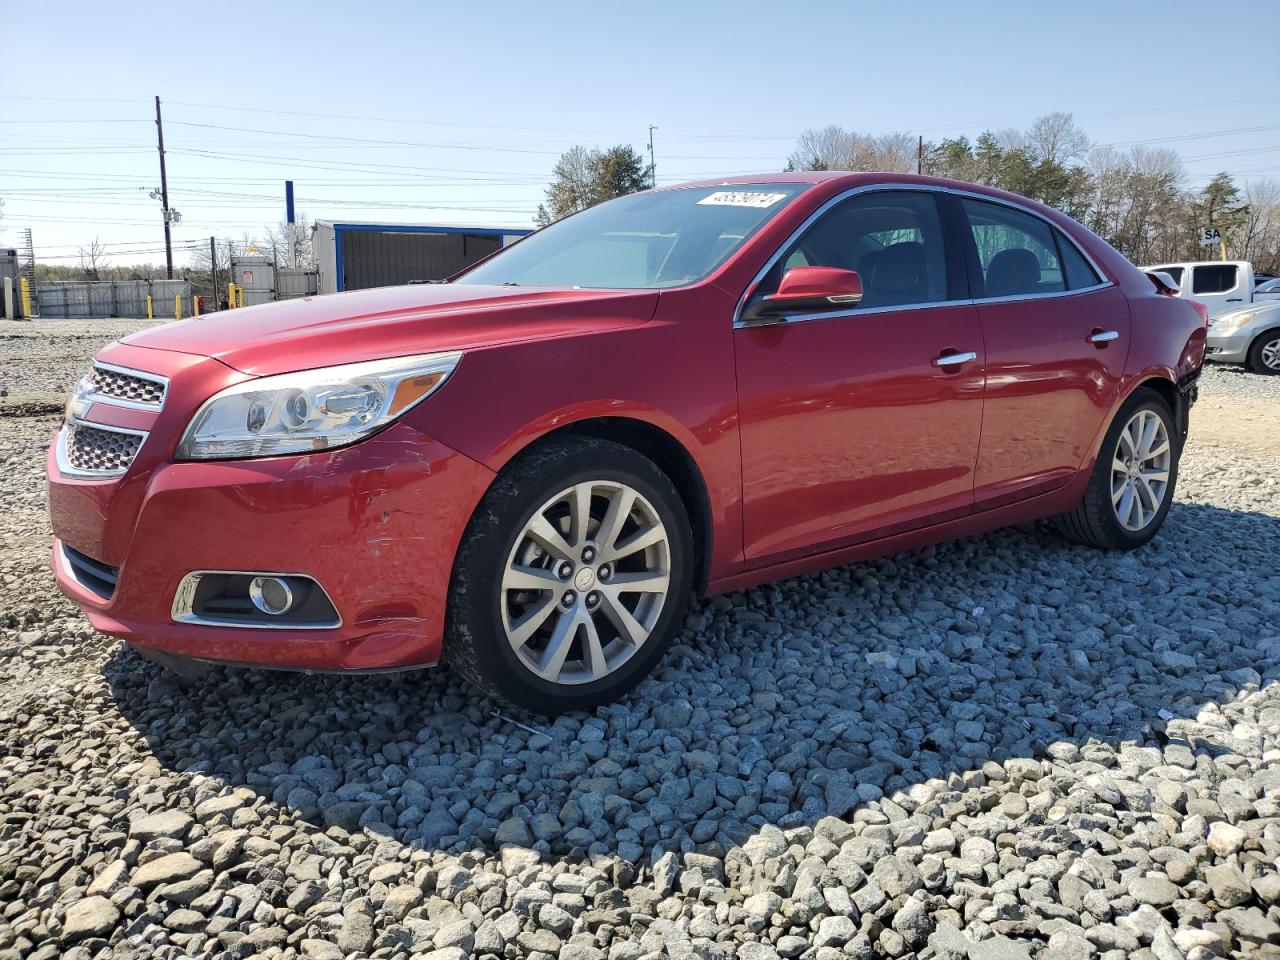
column 1232, row 322
column 312, row 409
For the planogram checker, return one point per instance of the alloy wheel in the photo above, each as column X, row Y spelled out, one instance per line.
column 585, row 582
column 1140, row 470
column 1271, row 354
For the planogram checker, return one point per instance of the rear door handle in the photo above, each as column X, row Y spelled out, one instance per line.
column 1235, row 299
column 952, row 359
column 1103, row 336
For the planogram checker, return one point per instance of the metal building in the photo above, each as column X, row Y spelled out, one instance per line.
column 256, row 275
column 352, row 256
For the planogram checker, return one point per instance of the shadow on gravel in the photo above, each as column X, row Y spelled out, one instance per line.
column 776, row 706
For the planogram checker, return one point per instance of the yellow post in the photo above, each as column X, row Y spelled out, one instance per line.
column 150, row 312
column 231, row 294
column 25, row 286
column 177, row 307
column 195, row 305
column 239, row 295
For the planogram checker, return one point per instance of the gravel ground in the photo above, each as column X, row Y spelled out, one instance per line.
column 1001, row 748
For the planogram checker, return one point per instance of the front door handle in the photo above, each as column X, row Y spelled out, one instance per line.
column 952, row 359
column 1235, row 299
column 1103, row 336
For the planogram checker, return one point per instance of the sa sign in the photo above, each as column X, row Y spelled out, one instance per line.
column 1209, row 236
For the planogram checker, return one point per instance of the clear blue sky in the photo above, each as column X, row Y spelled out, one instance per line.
column 483, row 96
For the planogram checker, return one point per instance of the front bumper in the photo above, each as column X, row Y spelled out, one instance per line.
column 376, row 524
column 1232, row 348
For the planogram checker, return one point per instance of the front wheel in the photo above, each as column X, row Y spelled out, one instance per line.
column 571, row 578
column 1132, row 484
column 1264, row 355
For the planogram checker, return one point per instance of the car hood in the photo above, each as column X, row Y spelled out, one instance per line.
column 392, row 321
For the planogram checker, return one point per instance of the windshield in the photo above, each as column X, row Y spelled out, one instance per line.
column 664, row 238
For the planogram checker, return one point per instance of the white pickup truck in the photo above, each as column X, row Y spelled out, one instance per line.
column 1221, row 285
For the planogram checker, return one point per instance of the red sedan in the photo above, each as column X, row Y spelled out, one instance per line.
column 529, row 470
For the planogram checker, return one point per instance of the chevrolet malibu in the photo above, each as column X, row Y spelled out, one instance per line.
column 528, row 471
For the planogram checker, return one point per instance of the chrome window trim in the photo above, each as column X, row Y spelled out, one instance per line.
column 93, row 396
column 184, row 597
column 64, row 462
column 739, row 323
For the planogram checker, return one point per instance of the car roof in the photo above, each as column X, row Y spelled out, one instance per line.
column 849, row 179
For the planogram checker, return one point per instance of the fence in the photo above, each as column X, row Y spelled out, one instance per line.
column 291, row 282
column 110, row 298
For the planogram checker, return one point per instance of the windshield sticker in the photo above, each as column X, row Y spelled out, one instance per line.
column 741, row 198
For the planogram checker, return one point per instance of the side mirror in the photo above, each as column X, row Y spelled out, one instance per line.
column 808, row 290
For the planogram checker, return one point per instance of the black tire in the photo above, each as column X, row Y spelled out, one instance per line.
column 1094, row 523
column 1264, row 340
column 475, row 641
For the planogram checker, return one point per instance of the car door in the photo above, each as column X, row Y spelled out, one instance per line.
column 863, row 421
column 1057, row 336
column 1219, row 286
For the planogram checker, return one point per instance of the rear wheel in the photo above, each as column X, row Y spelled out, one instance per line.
column 571, row 577
column 1132, row 484
column 1264, row 354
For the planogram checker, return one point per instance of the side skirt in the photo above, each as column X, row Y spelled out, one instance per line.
column 1036, row 508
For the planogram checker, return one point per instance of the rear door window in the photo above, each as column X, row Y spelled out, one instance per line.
column 1017, row 253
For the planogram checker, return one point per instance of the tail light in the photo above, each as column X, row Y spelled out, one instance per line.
column 1164, row 283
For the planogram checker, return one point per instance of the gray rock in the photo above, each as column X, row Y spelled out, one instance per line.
column 897, row 876
column 170, row 868
column 999, row 948
column 913, row 923
column 834, row 932
column 1225, row 838
column 459, row 934
column 978, row 850
column 1156, row 891
column 173, row 824
column 320, row 950
column 91, row 917
column 1250, row 923
column 1229, row 886
column 356, row 933
column 949, row 943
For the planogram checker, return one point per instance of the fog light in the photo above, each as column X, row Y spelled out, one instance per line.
column 271, row 595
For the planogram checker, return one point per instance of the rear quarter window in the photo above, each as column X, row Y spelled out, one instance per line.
column 1214, row 278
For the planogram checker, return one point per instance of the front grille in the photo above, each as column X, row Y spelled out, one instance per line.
column 97, row 450
column 125, row 386
column 91, row 574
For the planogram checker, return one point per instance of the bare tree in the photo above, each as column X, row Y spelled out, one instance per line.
column 1258, row 234
column 835, row 148
column 290, row 243
column 93, row 260
column 1055, row 138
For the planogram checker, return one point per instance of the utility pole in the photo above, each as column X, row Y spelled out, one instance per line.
column 919, row 154
column 653, row 167
column 164, row 195
column 213, row 274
